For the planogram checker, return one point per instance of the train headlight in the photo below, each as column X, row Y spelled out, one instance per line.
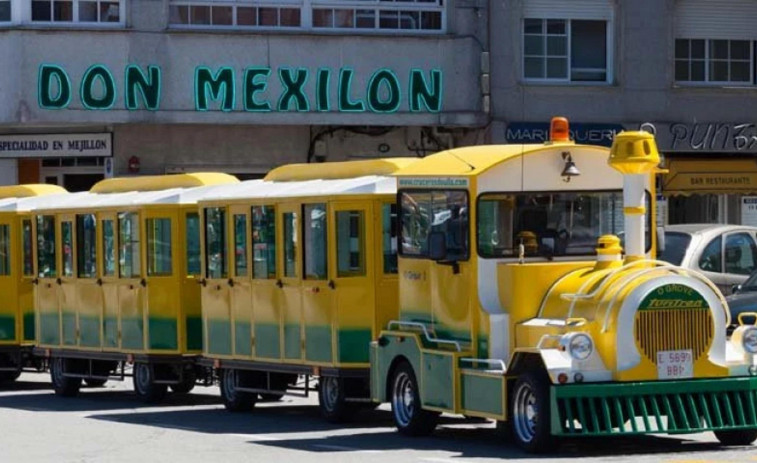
column 578, row 345
column 749, row 340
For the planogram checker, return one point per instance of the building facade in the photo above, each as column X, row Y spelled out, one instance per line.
column 123, row 87
column 684, row 69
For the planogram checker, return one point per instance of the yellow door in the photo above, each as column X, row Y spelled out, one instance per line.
column 111, row 328
column 290, row 285
column 241, row 293
column 385, row 266
column 88, row 288
column 67, row 292
column 266, row 277
column 47, row 265
column 317, row 284
column 353, row 291
column 163, row 290
column 131, row 282
column 9, row 313
column 215, row 294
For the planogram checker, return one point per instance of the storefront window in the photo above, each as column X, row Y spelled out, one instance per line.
column 264, row 242
column 424, row 212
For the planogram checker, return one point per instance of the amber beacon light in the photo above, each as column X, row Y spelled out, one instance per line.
column 559, row 130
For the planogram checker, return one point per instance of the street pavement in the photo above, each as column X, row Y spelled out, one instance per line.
column 109, row 424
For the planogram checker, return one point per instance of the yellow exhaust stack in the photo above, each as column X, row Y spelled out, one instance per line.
column 635, row 155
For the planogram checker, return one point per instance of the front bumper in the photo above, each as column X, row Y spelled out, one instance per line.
column 673, row 407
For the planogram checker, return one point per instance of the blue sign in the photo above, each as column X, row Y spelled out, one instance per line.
column 538, row 132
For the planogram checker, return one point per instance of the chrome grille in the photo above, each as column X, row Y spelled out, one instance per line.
column 674, row 329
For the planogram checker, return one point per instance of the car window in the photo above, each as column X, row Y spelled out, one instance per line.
column 740, row 254
column 712, row 256
column 675, row 247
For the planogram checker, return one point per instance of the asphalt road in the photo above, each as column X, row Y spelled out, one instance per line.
column 109, row 424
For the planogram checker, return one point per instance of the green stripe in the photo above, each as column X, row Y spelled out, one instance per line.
column 7, row 327
column 267, row 338
column 243, row 338
column 163, row 333
column 219, row 337
column 110, row 329
column 292, row 346
column 194, row 333
column 49, row 326
column 318, row 343
column 29, row 326
column 89, row 331
column 132, row 333
column 483, row 394
column 353, row 345
column 69, row 328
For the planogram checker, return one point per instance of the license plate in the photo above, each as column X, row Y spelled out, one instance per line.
column 673, row 364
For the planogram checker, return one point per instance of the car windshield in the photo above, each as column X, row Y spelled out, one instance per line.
column 675, row 247
column 750, row 284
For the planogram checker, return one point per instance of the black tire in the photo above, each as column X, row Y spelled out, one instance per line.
column 530, row 413
column 92, row 382
column 331, row 400
column 737, row 437
column 188, row 381
column 409, row 416
column 234, row 400
column 270, row 397
column 62, row 385
column 145, row 386
column 7, row 377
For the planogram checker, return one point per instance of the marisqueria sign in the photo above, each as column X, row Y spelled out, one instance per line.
column 216, row 89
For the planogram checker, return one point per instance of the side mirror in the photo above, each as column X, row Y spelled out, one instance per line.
column 735, row 289
column 437, row 245
column 660, row 239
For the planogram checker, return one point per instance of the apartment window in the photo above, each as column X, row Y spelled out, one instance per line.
column 85, row 11
column 231, row 14
column 565, row 50
column 5, row 11
column 716, row 61
column 408, row 15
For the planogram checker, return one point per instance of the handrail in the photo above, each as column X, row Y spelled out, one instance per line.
column 547, row 337
column 497, row 362
column 553, row 286
column 425, row 332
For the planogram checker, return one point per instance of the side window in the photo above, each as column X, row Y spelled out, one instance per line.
column 290, row 244
column 129, row 264
column 67, row 238
column 712, row 256
column 193, row 244
column 46, row 263
column 109, row 249
column 215, row 242
column 159, row 261
column 5, row 249
column 740, row 254
column 315, row 250
column 86, row 246
column 28, row 257
column 240, row 245
column 350, row 243
column 263, row 242
column 389, row 237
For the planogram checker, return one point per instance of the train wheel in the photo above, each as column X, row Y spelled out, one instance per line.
column 63, row 386
column 145, row 386
column 530, row 413
column 409, row 417
column 331, row 398
column 233, row 399
column 738, row 437
column 92, row 382
column 187, row 383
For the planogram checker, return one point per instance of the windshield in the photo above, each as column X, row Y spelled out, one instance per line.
column 548, row 224
column 676, row 244
column 424, row 212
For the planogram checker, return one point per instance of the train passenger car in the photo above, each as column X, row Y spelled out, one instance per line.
column 517, row 303
column 115, row 283
column 300, row 273
column 17, row 328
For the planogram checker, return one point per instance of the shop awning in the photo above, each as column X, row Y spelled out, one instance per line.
column 717, row 176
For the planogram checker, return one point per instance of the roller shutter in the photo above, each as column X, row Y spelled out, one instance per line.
column 716, row 19
column 574, row 9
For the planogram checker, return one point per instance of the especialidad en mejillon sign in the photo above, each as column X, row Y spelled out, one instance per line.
column 216, row 89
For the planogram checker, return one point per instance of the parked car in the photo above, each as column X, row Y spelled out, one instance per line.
column 743, row 299
column 726, row 254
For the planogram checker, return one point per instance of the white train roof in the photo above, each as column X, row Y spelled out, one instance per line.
column 254, row 189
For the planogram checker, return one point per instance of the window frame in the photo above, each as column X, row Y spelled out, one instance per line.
column 81, row 242
column 266, row 208
column 154, row 268
column 139, row 273
column 724, row 254
column 647, row 242
column 223, row 234
column 55, row 270
column 609, row 53
column 25, row 15
column 305, row 246
column 362, row 269
column 401, row 253
column 707, row 82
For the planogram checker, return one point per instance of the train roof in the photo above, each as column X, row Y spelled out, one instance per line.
column 254, row 189
column 338, row 170
column 161, row 182
column 471, row 161
column 20, row 198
